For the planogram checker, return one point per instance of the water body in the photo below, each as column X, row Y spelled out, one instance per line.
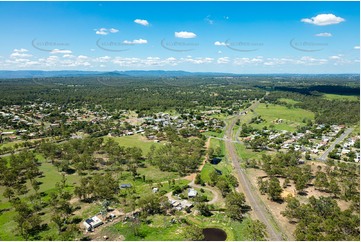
column 213, row 234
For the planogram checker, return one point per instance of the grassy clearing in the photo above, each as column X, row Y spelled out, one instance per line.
column 220, row 116
column 288, row 101
column 159, row 229
column 341, row 97
column 50, row 177
column 135, row 141
column 356, row 130
column 247, row 153
column 214, row 134
column 236, row 231
column 8, row 229
column 214, row 143
column 224, row 166
column 11, row 144
column 154, row 174
column 292, row 117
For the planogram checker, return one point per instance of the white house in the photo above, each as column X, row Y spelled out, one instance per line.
column 192, row 192
column 92, row 223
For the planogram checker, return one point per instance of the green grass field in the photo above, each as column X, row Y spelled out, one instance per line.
column 341, row 97
column 214, row 134
column 288, row 100
column 135, row 141
column 156, row 175
column 292, row 117
column 214, row 143
column 159, row 229
column 220, row 116
column 247, row 153
column 51, row 176
column 223, row 166
column 10, row 144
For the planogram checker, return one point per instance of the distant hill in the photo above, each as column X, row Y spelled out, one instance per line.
column 135, row 73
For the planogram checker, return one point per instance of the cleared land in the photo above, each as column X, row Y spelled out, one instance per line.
column 341, row 97
column 135, row 141
column 291, row 117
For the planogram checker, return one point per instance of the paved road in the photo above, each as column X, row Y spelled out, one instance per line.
column 225, row 139
column 251, row 197
column 324, row 156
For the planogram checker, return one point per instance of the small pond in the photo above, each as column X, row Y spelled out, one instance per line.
column 213, row 234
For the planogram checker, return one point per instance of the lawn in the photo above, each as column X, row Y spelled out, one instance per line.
column 8, row 229
column 214, row 143
column 341, row 97
column 156, row 175
column 136, row 141
column 292, row 117
column 159, row 229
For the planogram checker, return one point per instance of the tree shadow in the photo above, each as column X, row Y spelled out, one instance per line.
column 302, row 193
column 278, row 200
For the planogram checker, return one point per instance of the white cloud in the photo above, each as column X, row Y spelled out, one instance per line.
column 135, row 42
column 142, row 22
column 102, row 59
column 308, row 60
column 323, row 34
column 357, row 47
column 104, row 31
column 200, row 60
column 112, row 30
column 22, row 50
column 185, row 35
column 19, row 55
column 68, row 56
column 323, row 19
column 218, row 43
column 101, row 31
column 149, row 61
column 334, row 57
column 57, row 51
column 246, row 60
column 223, row 60
column 82, row 57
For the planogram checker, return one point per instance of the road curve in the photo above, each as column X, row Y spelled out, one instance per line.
column 251, row 197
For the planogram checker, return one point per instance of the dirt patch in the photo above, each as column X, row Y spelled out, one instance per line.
column 274, row 207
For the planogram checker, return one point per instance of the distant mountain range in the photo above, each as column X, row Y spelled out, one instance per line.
column 135, row 73
column 139, row 73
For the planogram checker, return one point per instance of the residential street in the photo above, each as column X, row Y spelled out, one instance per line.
column 324, row 156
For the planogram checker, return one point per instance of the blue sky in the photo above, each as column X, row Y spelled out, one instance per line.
column 238, row 37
